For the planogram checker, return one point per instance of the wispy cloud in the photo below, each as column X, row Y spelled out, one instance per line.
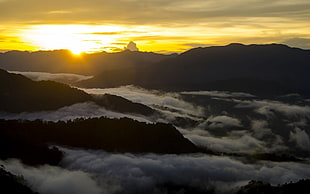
column 222, row 121
column 59, row 77
column 142, row 12
column 301, row 138
column 54, row 180
column 221, row 94
column 159, row 100
column 298, row 42
column 267, row 107
column 85, row 110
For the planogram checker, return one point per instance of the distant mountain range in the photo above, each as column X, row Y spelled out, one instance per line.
column 264, row 69
column 270, row 69
column 63, row 61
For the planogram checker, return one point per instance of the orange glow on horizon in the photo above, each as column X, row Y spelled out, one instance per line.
column 114, row 38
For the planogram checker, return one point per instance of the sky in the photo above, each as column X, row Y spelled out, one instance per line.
column 154, row 25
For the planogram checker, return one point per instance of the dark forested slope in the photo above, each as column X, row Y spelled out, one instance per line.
column 116, row 135
column 20, row 94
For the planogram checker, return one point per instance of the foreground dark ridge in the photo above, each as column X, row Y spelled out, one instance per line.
column 10, row 183
column 28, row 140
column 259, row 187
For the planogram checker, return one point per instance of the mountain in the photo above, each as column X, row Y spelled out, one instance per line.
column 120, row 104
column 114, row 135
column 271, row 68
column 257, row 187
column 204, row 67
column 63, row 61
column 20, row 94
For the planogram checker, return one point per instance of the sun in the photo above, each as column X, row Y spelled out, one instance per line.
column 77, row 51
column 76, row 38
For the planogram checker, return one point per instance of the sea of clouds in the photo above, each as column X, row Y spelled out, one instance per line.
column 222, row 131
column 252, row 132
column 90, row 171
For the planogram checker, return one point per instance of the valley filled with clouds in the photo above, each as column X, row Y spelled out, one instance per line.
column 269, row 142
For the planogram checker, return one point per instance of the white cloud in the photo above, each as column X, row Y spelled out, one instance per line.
column 54, row 180
column 260, row 128
column 97, row 172
column 59, row 77
column 138, row 172
column 221, row 122
column 301, row 138
column 220, row 94
column 245, row 144
column 268, row 107
column 159, row 100
column 85, row 110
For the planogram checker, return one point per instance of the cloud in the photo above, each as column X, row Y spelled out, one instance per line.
column 132, row 46
column 301, row 138
column 242, row 143
column 144, row 171
column 245, row 132
column 85, row 110
column 54, row 180
column 58, row 77
column 138, row 12
column 222, row 121
column 216, row 22
column 194, row 45
column 273, row 142
column 221, row 94
column 298, row 42
column 268, row 108
column 260, row 128
column 166, row 101
column 94, row 172
column 130, row 173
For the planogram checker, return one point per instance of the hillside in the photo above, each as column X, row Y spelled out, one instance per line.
column 20, row 94
column 201, row 67
column 23, row 139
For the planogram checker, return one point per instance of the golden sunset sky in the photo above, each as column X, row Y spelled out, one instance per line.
column 154, row 25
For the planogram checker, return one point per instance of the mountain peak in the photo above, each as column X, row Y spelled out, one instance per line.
column 235, row 44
